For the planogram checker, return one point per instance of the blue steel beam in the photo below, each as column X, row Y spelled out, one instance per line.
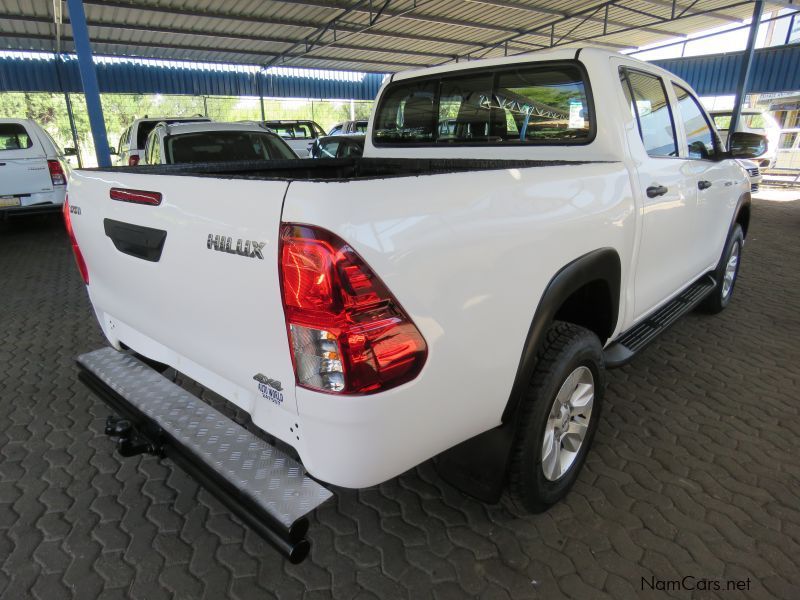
column 744, row 73
column 83, row 48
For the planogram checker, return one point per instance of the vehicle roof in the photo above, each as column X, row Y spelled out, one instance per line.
column 530, row 57
column 728, row 111
column 20, row 121
column 159, row 119
column 287, row 121
column 355, row 137
column 179, row 128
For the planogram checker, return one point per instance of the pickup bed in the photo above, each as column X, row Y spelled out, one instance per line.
column 515, row 226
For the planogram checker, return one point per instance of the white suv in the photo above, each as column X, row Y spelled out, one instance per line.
column 131, row 143
column 33, row 169
column 213, row 142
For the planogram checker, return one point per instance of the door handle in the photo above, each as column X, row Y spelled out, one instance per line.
column 656, row 190
column 703, row 184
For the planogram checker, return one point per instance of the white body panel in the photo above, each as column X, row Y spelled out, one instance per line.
column 24, row 173
column 468, row 255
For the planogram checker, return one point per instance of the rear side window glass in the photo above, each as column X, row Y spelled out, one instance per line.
column 535, row 105
column 699, row 137
column 407, row 114
column 14, row 136
column 360, row 127
column 647, row 98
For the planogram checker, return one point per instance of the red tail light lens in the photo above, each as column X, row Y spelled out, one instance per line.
column 75, row 249
column 348, row 333
column 135, row 196
column 57, row 175
column 133, row 160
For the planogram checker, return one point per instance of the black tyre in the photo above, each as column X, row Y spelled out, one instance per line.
column 726, row 274
column 558, row 418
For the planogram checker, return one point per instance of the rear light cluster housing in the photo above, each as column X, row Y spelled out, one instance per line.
column 57, row 175
column 74, row 242
column 347, row 332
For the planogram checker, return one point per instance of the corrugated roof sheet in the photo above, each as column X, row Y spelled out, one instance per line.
column 773, row 70
column 347, row 34
column 48, row 75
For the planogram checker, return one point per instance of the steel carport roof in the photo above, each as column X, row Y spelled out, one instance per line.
column 361, row 35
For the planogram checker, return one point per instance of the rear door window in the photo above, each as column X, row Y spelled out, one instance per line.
column 647, row 98
column 542, row 104
column 14, row 136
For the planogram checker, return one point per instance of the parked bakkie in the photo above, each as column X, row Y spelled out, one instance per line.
column 33, row 169
column 458, row 292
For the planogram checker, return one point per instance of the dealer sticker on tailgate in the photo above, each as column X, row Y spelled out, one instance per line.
column 6, row 201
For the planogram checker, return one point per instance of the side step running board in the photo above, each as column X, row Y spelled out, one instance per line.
column 265, row 487
column 635, row 339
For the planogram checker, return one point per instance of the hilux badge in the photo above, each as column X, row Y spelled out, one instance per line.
column 249, row 248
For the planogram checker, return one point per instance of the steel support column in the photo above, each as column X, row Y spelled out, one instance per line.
column 83, row 48
column 75, row 139
column 744, row 72
column 260, row 81
column 68, row 102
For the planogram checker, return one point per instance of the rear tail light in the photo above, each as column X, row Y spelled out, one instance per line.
column 133, row 160
column 347, row 332
column 57, row 175
column 75, row 249
column 135, row 196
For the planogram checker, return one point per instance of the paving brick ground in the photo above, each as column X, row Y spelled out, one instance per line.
column 694, row 471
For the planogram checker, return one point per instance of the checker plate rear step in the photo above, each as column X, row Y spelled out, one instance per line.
column 635, row 339
column 261, row 484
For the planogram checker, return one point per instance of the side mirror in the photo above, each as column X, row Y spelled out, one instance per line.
column 70, row 152
column 744, row 144
column 112, row 151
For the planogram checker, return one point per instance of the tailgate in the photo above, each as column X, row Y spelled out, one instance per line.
column 159, row 286
column 20, row 176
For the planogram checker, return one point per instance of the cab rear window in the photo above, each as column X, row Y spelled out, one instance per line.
column 14, row 136
column 540, row 105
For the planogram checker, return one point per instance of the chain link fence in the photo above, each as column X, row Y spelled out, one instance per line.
column 51, row 112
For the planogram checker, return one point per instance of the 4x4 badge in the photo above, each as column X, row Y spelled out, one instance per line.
column 249, row 248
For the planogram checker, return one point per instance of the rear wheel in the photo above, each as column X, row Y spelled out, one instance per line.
column 559, row 416
column 726, row 274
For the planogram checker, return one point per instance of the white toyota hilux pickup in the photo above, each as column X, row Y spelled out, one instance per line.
column 515, row 227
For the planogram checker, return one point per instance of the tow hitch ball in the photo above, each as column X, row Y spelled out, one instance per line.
column 130, row 442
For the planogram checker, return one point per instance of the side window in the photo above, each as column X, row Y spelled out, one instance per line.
column 328, row 149
column 406, row 114
column 648, row 101
column 123, row 140
column 152, row 151
column 699, row 136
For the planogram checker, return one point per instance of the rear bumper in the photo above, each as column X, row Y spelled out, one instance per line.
column 260, row 483
column 24, row 211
